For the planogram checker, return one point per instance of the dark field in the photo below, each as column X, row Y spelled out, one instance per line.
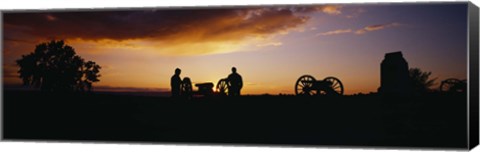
column 434, row 121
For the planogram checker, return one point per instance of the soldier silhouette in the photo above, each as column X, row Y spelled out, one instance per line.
column 175, row 83
column 234, row 82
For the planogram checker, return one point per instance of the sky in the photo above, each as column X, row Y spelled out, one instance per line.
column 271, row 46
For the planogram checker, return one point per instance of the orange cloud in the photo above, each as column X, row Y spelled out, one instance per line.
column 331, row 9
column 360, row 31
column 270, row 44
column 51, row 17
column 335, row 32
column 375, row 28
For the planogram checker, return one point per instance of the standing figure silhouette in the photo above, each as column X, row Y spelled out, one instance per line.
column 175, row 83
column 234, row 82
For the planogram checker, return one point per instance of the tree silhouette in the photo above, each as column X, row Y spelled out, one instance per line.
column 54, row 66
column 421, row 81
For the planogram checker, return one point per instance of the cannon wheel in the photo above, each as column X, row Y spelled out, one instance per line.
column 186, row 88
column 337, row 85
column 304, row 84
column 222, row 87
column 451, row 85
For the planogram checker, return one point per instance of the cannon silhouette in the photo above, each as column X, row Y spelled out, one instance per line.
column 186, row 89
column 222, row 87
column 205, row 89
column 308, row 85
column 453, row 85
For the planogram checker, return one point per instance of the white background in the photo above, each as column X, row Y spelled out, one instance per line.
column 7, row 146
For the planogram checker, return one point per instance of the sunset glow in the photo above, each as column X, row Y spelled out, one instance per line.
column 271, row 46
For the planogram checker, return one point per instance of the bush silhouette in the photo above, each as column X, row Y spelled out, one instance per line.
column 54, row 66
column 421, row 81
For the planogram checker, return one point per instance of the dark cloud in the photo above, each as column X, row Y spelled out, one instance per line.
column 168, row 24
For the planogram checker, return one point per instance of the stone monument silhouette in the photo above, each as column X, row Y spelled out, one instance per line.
column 394, row 76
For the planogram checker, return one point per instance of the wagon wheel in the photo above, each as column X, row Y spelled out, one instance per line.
column 453, row 85
column 222, row 87
column 336, row 85
column 186, row 88
column 304, row 85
